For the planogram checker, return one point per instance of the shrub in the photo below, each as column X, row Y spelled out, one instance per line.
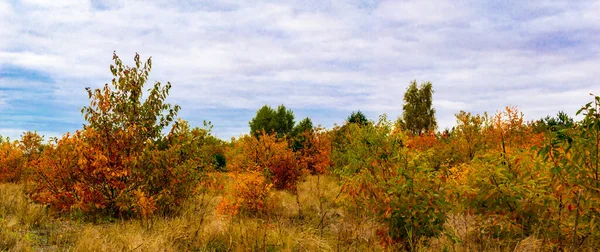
column 574, row 159
column 12, row 162
column 391, row 183
column 120, row 164
column 248, row 194
column 315, row 152
column 269, row 155
column 509, row 195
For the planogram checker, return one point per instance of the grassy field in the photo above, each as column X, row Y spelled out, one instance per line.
column 26, row 226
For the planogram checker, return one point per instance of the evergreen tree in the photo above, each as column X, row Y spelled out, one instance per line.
column 358, row 118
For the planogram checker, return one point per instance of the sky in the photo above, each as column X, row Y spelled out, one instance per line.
column 322, row 59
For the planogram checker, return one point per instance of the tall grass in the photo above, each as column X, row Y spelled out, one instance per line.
column 325, row 226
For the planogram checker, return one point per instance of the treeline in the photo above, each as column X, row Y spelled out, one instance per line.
column 506, row 178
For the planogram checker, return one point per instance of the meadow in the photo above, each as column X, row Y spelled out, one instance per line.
column 138, row 178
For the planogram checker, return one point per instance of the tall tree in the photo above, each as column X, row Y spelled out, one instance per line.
column 280, row 121
column 115, row 159
column 303, row 126
column 561, row 121
column 358, row 118
column 419, row 115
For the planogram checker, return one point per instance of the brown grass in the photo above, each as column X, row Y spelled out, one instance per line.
column 325, row 226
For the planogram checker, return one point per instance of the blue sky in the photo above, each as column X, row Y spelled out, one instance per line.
column 322, row 59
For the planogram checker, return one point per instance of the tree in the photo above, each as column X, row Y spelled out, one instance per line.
column 419, row 115
column 384, row 178
column 270, row 155
column 548, row 123
column 358, row 118
column 32, row 145
column 303, row 126
column 12, row 161
column 280, row 121
column 122, row 109
column 314, row 154
column 300, row 132
column 120, row 163
column 575, row 157
column 469, row 130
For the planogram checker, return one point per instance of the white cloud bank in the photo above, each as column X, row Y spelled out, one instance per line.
column 320, row 58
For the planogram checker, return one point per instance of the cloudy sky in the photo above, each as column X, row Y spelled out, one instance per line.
column 323, row 59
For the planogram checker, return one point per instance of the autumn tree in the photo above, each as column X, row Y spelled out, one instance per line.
column 121, row 160
column 574, row 155
column 270, row 156
column 385, row 180
column 32, row 145
column 199, row 146
column 280, row 121
column 16, row 156
column 469, row 130
column 299, row 133
column 12, row 161
column 315, row 151
column 419, row 115
column 125, row 122
column 120, row 108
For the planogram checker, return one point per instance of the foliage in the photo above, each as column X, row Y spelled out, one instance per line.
column 299, row 133
column 199, row 147
column 32, row 144
column 469, row 129
column 249, row 194
column 383, row 177
column 267, row 154
column 559, row 122
column 315, row 152
column 574, row 156
column 508, row 194
column 401, row 184
column 12, row 162
column 418, row 114
column 121, row 152
column 269, row 120
column 358, row 118
column 303, row 126
column 16, row 156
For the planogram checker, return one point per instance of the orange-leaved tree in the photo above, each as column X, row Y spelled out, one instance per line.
column 119, row 154
column 469, row 130
column 249, row 193
column 11, row 161
column 315, row 152
column 270, row 155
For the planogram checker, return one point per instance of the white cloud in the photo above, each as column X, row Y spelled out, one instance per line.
column 5, row 9
column 426, row 12
column 337, row 56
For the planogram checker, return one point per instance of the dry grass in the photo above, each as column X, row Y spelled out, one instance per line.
column 26, row 226
column 325, row 226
